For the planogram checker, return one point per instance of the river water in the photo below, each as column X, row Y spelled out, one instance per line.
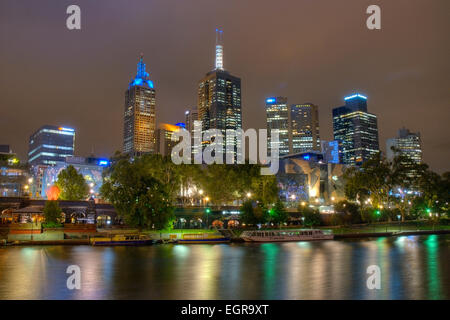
column 413, row 267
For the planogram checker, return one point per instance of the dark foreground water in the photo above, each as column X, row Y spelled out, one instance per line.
column 414, row 267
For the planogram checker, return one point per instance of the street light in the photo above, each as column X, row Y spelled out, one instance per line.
column 249, row 194
column 200, row 191
column 293, row 197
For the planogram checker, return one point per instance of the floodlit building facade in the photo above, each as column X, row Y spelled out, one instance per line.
column 139, row 134
column 166, row 139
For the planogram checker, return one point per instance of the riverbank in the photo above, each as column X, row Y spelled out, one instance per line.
column 234, row 238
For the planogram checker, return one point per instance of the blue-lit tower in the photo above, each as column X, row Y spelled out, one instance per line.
column 356, row 130
column 140, row 113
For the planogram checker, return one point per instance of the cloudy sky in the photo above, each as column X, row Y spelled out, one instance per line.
column 308, row 50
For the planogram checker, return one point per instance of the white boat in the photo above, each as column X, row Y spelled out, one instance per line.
column 285, row 235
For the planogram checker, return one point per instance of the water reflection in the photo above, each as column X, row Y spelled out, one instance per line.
column 411, row 268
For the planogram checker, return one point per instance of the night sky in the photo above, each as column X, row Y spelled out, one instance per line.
column 308, row 50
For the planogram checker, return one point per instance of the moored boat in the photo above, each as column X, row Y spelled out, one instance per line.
column 285, row 235
column 122, row 240
column 203, row 238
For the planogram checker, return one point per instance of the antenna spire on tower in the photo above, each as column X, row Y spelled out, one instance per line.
column 219, row 49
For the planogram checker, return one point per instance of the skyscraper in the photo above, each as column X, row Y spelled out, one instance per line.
column 356, row 130
column 193, row 125
column 190, row 116
column 140, row 114
column 304, row 127
column 165, row 139
column 219, row 97
column 406, row 143
column 50, row 144
column 278, row 117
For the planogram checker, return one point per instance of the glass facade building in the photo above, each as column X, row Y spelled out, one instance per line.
column 406, row 143
column 278, row 117
column 305, row 127
column 330, row 151
column 356, row 130
column 51, row 144
column 139, row 135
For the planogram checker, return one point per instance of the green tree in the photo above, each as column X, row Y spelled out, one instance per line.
column 72, row 184
column 52, row 212
column 278, row 213
column 253, row 213
column 219, row 182
column 142, row 195
column 265, row 188
column 349, row 212
column 311, row 216
column 376, row 179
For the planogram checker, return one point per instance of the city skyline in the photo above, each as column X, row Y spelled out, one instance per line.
column 389, row 83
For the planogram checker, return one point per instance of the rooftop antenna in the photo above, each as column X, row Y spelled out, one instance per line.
column 219, row 49
column 141, row 73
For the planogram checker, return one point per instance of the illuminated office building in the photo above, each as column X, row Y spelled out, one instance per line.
column 50, row 144
column 140, row 114
column 190, row 117
column 304, row 128
column 406, row 143
column 5, row 149
column 278, row 117
column 356, row 130
column 219, row 98
column 165, row 138
column 194, row 126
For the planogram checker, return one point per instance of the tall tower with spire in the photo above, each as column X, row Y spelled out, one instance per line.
column 140, row 113
column 219, row 96
column 219, row 49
